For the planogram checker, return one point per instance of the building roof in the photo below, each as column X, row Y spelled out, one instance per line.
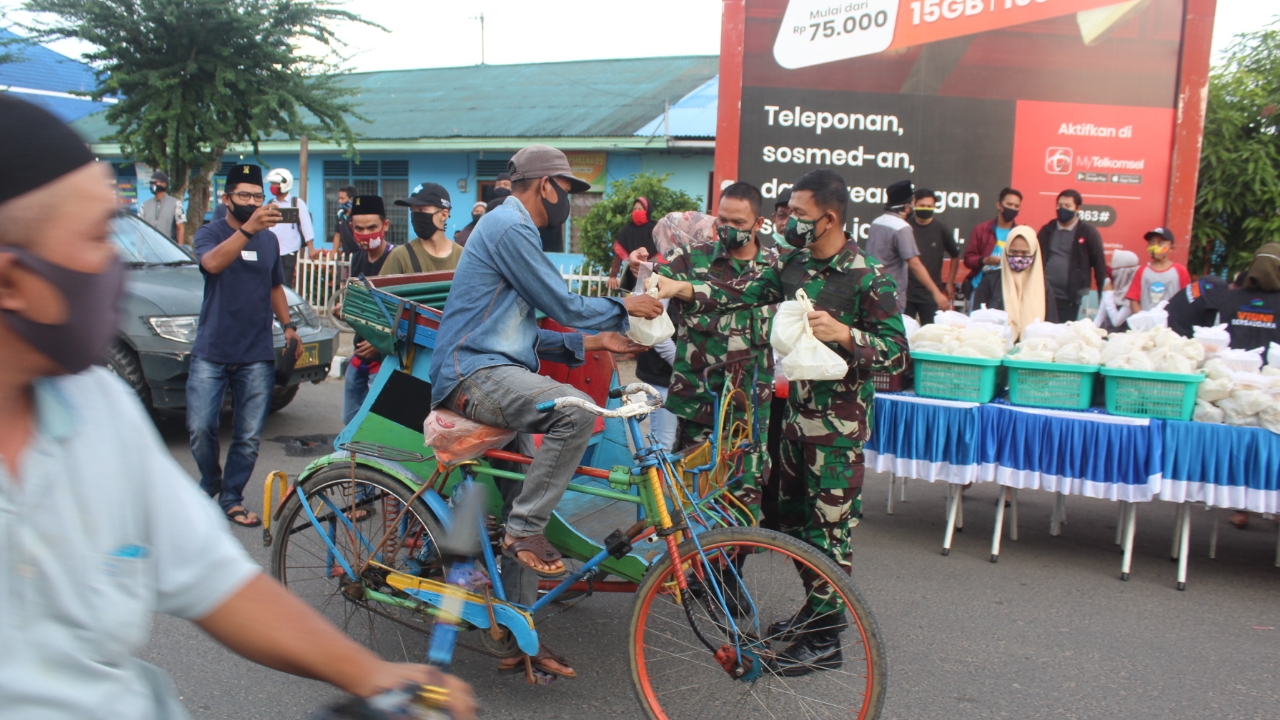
column 47, row 79
column 581, row 99
column 693, row 116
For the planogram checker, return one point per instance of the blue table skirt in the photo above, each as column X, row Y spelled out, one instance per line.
column 1076, row 453
column 1222, row 466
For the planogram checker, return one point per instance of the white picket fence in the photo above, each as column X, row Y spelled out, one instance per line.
column 316, row 280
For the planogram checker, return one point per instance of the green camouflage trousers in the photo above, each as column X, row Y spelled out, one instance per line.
column 819, row 502
column 755, row 464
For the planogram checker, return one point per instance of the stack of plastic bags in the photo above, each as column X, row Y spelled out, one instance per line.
column 1238, row 390
column 1158, row 349
column 960, row 335
column 1074, row 343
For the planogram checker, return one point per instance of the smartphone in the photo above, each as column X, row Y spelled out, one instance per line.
column 288, row 215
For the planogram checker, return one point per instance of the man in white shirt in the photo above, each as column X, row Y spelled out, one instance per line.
column 99, row 526
column 293, row 238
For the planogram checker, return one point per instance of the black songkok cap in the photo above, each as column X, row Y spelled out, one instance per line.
column 36, row 148
column 900, row 193
column 368, row 205
column 250, row 174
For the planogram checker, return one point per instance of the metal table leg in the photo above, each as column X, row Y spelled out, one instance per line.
column 1175, row 543
column 903, row 497
column 1059, row 515
column 1182, row 549
column 1013, row 517
column 953, row 503
column 892, row 480
column 1213, row 535
column 1120, row 524
column 995, row 536
column 960, row 508
column 1130, row 520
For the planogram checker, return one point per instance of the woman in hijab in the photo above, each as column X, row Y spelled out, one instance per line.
column 1114, row 309
column 636, row 233
column 1019, row 287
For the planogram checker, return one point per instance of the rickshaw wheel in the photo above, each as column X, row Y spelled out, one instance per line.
column 374, row 500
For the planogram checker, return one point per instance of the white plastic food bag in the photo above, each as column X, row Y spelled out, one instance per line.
column 651, row 332
column 984, row 314
column 951, row 317
column 1214, row 339
column 1208, row 413
column 1214, row 389
column 1270, row 418
column 1273, row 356
column 811, row 359
column 1149, row 319
column 912, row 326
column 1249, row 361
column 789, row 323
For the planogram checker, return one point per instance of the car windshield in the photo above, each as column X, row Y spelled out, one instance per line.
column 141, row 244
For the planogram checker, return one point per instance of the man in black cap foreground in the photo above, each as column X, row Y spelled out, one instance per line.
column 489, row 347
column 890, row 240
column 163, row 211
column 243, row 288
column 430, row 250
column 369, row 226
column 99, row 527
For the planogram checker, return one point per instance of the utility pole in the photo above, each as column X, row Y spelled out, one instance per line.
column 480, row 17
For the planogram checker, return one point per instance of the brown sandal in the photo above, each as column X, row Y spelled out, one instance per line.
column 540, row 663
column 541, row 549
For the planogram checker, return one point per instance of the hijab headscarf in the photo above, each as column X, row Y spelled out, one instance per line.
column 1264, row 272
column 1024, row 298
column 1124, row 268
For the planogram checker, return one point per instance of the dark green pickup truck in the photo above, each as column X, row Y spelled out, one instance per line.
column 161, row 310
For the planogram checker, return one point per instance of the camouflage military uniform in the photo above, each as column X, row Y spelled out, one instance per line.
column 827, row 422
column 703, row 340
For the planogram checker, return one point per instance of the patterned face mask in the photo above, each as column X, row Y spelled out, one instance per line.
column 732, row 237
column 1021, row 264
column 800, row 233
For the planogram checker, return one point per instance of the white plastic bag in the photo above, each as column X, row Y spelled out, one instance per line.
column 1208, row 413
column 788, row 323
column 1149, row 319
column 456, row 438
column 1273, row 355
column 1214, row 389
column 1270, row 418
column 811, row 359
column 951, row 317
column 911, row 325
column 651, row 332
column 1214, row 339
column 1041, row 329
column 1249, row 361
column 984, row 314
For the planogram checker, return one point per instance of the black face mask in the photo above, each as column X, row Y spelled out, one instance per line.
column 156, row 189
column 1008, row 214
column 923, row 213
column 501, row 192
column 1065, row 216
column 242, row 213
column 558, row 211
column 475, row 217
column 424, row 224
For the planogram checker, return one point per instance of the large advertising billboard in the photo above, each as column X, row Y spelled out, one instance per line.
column 966, row 97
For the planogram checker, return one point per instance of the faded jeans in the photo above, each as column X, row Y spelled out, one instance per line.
column 251, row 386
column 354, row 391
column 506, row 396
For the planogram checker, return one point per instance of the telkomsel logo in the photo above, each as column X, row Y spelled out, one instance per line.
column 1058, row 160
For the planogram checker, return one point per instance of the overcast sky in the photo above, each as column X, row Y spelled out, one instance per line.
column 432, row 33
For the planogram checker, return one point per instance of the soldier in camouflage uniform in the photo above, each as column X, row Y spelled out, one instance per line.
column 827, row 422
column 703, row 340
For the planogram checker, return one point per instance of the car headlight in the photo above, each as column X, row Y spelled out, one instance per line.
column 180, row 328
column 301, row 315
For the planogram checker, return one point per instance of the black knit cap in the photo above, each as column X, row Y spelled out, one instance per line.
column 36, row 148
column 369, row 205
column 248, row 174
column 900, row 193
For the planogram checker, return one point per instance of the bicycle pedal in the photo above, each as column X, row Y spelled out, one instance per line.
column 618, row 544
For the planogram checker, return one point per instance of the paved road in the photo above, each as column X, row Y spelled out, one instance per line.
column 1049, row 632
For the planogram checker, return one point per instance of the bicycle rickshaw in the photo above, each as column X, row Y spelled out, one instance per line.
column 357, row 536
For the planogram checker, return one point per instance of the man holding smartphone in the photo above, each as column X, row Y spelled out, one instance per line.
column 243, row 289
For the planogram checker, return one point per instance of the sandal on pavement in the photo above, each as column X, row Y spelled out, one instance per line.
column 241, row 517
column 541, row 549
column 546, row 661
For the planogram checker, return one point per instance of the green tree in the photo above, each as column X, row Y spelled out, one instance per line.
column 195, row 77
column 1238, row 193
column 607, row 217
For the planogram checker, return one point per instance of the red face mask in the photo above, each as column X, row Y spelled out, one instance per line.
column 368, row 241
column 640, row 216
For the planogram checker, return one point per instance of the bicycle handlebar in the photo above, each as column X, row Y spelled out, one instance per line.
column 635, row 405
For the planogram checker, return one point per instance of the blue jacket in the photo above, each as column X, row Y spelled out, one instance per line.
column 501, row 280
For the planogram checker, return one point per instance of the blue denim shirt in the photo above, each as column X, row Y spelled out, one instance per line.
column 501, row 280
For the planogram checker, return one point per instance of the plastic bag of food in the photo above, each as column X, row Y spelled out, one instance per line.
column 1041, row 329
column 1035, row 355
column 911, row 325
column 1251, row 401
column 1269, row 418
column 1207, row 412
column 933, row 332
column 950, row 317
column 456, row 438
column 1121, row 345
column 1150, row 319
column 651, row 332
column 1273, row 355
column 1132, row 361
column 1214, row 339
column 789, row 323
column 1215, row 369
column 1038, row 345
column 1214, row 389
column 988, row 315
column 1069, row 354
column 1175, row 363
column 1271, row 370
column 1242, row 360
column 811, row 359
column 1233, row 415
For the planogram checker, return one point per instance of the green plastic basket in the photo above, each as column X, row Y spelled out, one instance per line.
column 1050, row 385
column 955, row 378
column 1136, row 393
